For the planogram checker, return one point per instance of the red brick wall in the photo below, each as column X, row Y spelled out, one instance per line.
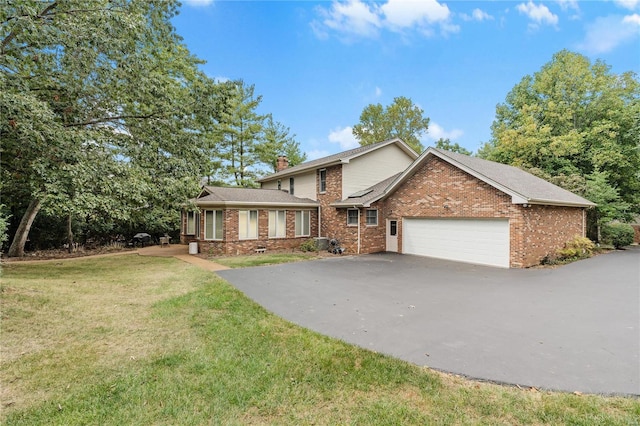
column 232, row 245
column 332, row 219
column 439, row 190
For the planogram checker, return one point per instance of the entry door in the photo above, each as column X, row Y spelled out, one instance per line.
column 392, row 235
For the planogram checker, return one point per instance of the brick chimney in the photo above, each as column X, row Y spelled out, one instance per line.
column 282, row 163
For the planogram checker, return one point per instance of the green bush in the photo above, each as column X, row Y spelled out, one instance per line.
column 309, row 245
column 617, row 234
column 577, row 248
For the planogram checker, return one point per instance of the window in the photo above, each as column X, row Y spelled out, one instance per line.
column 291, row 186
column 372, row 217
column 352, row 217
column 192, row 223
column 213, row 224
column 303, row 223
column 393, row 228
column 277, row 224
column 248, row 224
column 279, row 184
column 323, row 180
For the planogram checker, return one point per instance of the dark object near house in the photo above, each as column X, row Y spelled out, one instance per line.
column 334, row 247
column 140, row 239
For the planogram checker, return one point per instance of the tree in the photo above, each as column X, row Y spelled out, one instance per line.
column 453, row 147
column 239, row 132
column 402, row 119
column 278, row 140
column 579, row 123
column 97, row 113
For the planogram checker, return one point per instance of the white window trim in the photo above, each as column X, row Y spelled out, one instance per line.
column 357, row 217
column 367, row 219
column 276, row 224
column 240, row 237
column 215, row 212
column 320, row 190
column 302, row 214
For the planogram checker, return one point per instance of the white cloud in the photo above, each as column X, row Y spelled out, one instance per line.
column 403, row 14
column 344, row 137
column 436, row 132
column 607, row 33
column 365, row 19
column 628, row 4
column 198, row 3
column 631, row 19
column 568, row 4
column 378, row 92
column 477, row 15
column 353, row 17
column 539, row 14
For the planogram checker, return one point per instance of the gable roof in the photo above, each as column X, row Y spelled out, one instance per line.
column 339, row 158
column 523, row 187
column 368, row 195
column 236, row 196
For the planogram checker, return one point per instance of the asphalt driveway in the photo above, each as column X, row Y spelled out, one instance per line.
column 573, row 328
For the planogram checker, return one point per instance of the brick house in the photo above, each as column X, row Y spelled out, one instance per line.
column 384, row 197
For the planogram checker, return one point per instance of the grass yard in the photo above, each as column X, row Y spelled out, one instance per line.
column 262, row 259
column 142, row 340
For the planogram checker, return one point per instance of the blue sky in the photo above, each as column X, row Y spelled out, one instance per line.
column 318, row 64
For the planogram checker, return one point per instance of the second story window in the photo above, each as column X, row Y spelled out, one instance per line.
column 291, row 186
column 279, row 184
column 323, row 180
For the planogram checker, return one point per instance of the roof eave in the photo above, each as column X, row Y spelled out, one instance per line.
column 559, row 203
column 254, row 204
column 286, row 174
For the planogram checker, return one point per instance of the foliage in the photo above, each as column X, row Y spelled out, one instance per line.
column 97, row 101
column 278, row 140
column 576, row 121
column 453, row 147
column 577, row 248
column 402, row 119
column 140, row 340
column 617, row 234
column 309, row 245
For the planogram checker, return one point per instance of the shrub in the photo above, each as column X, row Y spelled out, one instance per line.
column 617, row 234
column 309, row 245
column 577, row 248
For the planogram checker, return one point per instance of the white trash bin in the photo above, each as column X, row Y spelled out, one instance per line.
column 193, row 248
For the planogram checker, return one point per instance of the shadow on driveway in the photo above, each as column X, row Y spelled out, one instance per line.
column 572, row 328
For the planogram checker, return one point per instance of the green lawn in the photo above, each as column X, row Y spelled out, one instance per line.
column 262, row 259
column 140, row 340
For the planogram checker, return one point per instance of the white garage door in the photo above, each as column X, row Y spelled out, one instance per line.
column 481, row 241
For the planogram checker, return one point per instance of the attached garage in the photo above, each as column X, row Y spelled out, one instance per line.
column 480, row 241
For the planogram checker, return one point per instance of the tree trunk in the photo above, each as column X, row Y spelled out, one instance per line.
column 70, row 233
column 20, row 239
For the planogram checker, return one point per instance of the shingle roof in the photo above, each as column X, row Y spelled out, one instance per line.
column 337, row 158
column 369, row 194
column 217, row 195
column 522, row 186
column 516, row 181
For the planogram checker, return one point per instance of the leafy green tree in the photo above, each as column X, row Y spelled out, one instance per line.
column 278, row 140
column 402, row 119
column 97, row 113
column 578, row 122
column 453, row 147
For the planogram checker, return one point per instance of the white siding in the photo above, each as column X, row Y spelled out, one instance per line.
column 304, row 185
column 373, row 167
column 480, row 241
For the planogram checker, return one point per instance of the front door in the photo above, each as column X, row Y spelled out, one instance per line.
column 392, row 235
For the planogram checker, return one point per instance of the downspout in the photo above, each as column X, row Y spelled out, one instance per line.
column 319, row 222
column 358, row 231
